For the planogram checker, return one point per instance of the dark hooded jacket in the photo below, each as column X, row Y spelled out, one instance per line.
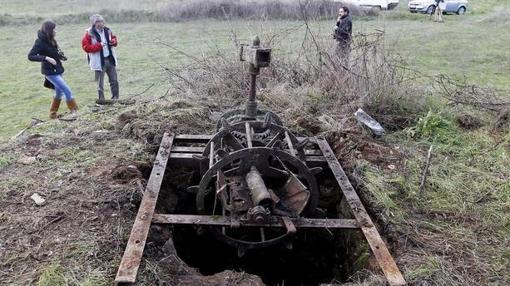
column 343, row 32
column 44, row 48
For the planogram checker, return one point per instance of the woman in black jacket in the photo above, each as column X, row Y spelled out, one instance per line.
column 46, row 51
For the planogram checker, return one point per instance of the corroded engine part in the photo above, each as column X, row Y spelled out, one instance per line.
column 239, row 115
column 260, row 196
column 256, row 188
column 287, row 182
column 257, row 57
column 262, row 134
column 254, row 170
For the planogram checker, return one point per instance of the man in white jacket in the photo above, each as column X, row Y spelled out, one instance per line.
column 99, row 43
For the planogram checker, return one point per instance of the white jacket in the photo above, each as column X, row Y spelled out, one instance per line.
column 94, row 58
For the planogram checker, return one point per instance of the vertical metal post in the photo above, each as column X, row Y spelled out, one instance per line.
column 211, row 155
column 249, row 139
column 251, row 104
column 253, row 82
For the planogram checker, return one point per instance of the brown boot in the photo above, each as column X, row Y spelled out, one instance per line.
column 71, row 104
column 55, row 104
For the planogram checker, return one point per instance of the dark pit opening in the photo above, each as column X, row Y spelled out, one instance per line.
column 314, row 257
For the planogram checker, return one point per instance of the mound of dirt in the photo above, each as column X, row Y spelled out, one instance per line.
column 468, row 122
column 91, row 179
column 179, row 273
column 125, row 174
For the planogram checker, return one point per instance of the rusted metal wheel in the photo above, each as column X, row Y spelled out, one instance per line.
column 265, row 135
column 239, row 115
column 273, row 164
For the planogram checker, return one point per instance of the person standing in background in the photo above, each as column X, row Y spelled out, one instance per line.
column 99, row 43
column 46, row 51
column 438, row 13
column 343, row 34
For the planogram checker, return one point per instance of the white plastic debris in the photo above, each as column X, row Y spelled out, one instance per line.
column 38, row 199
column 369, row 122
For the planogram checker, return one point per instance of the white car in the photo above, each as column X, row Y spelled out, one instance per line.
column 429, row 6
column 378, row 4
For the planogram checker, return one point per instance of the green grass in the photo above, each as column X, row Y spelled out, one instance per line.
column 68, row 269
column 480, row 7
column 57, row 275
column 383, row 192
column 427, row 270
column 53, row 275
column 95, row 280
column 479, row 55
column 468, row 187
column 7, row 159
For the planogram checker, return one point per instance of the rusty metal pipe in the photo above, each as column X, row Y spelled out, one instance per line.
column 253, row 83
column 251, row 104
column 259, row 193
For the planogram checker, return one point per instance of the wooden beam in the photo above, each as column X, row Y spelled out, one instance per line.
column 274, row 222
column 381, row 252
column 130, row 262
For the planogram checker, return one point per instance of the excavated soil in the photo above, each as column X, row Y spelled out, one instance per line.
column 92, row 179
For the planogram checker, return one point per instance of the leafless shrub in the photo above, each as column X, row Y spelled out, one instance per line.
column 460, row 92
column 177, row 11
column 310, row 82
column 255, row 10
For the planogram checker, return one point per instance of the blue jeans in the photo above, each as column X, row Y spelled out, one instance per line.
column 61, row 87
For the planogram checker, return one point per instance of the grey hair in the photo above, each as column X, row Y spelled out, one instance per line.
column 96, row 17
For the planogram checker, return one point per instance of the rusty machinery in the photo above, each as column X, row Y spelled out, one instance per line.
column 257, row 178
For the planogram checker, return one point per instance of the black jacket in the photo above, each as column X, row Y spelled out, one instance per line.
column 343, row 32
column 43, row 48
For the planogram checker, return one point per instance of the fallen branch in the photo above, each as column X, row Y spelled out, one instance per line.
column 33, row 123
column 57, row 219
column 144, row 91
column 459, row 92
column 424, row 175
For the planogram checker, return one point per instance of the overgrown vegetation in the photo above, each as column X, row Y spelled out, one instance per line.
column 467, row 184
column 177, row 11
column 316, row 82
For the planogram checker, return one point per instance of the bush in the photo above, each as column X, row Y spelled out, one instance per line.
column 255, row 10
column 315, row 83
column 432, row 125
column 178, row 11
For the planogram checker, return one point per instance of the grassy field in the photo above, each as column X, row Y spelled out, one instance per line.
column 468, row 46
column 455, row 232
column 53, row 8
